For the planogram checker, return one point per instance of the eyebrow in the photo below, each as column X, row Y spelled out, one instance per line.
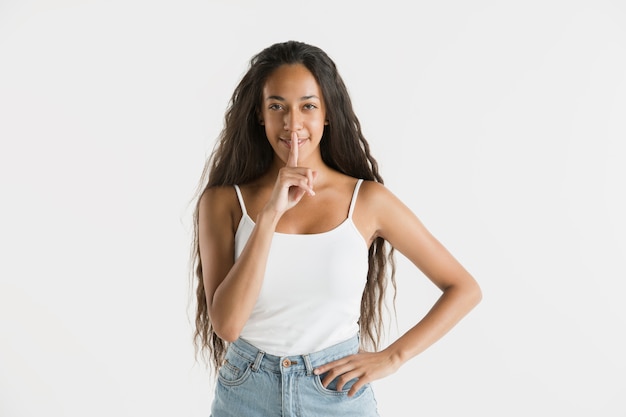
column 303, row 98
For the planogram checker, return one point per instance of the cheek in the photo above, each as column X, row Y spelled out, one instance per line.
column 317, row 124
column 266, row 117
column 270, row 129
column 318, row 131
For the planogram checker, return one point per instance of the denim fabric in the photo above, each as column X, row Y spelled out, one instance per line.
column 252, row 383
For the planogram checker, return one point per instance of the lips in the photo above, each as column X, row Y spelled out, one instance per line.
column 288, row 141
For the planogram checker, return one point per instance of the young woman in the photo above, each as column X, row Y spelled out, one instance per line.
column 294, row 237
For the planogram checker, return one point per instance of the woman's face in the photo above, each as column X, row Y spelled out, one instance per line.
column 293, row 102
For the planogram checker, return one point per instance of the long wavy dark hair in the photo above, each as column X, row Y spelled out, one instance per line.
column 242, row 153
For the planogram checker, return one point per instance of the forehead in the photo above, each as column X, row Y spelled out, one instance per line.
column 291, row 80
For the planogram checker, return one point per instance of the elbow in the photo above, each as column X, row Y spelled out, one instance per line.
column 229, row 332
column 229, row 337
column 227, row 320
column 475, row 295
column 224, row 322
column 469, row 294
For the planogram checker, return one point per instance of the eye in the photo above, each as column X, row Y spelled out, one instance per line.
column 275, row 106
column 310, row 106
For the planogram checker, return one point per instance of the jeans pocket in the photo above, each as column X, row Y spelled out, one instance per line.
column 235, row 370
column 331, row 389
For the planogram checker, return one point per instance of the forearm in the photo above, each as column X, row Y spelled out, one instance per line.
column 237, row 294
column 454, row 304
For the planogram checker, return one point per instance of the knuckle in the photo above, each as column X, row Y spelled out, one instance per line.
column 343, row 379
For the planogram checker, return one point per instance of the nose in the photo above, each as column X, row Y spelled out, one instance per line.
column 293, row 121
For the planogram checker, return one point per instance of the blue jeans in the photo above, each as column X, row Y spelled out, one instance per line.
column 252, row 383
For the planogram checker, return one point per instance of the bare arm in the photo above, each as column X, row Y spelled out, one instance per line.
column 232, row 287
column 384, row 215
column 460, row 291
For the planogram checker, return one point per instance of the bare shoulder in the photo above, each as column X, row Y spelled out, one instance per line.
column 218, row 197
column 375, row 205
column 375, row 195
column 219, row 205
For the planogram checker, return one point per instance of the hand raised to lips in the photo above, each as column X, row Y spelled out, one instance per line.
column 292, row 161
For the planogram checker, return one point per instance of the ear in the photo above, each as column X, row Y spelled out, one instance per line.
column 326, row 122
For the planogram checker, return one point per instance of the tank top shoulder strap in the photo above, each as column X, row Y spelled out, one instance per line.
column 354, row 196
column 240, row 198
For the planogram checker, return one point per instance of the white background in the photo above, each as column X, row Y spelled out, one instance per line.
column 501, row 124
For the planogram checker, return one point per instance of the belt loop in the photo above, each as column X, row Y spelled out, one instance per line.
column 307, row 365
column 257, row 361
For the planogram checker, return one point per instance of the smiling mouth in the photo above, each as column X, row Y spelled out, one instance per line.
column 288, row 141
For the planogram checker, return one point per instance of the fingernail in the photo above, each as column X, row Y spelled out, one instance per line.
column 316, row 371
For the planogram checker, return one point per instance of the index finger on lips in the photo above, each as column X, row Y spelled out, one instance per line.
column 293, row 151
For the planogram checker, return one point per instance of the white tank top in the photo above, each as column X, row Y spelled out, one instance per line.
column 311, row 294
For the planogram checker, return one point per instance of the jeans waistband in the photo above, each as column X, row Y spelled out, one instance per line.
column 294, row 363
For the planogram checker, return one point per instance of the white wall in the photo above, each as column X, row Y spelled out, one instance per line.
column 500, row 123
